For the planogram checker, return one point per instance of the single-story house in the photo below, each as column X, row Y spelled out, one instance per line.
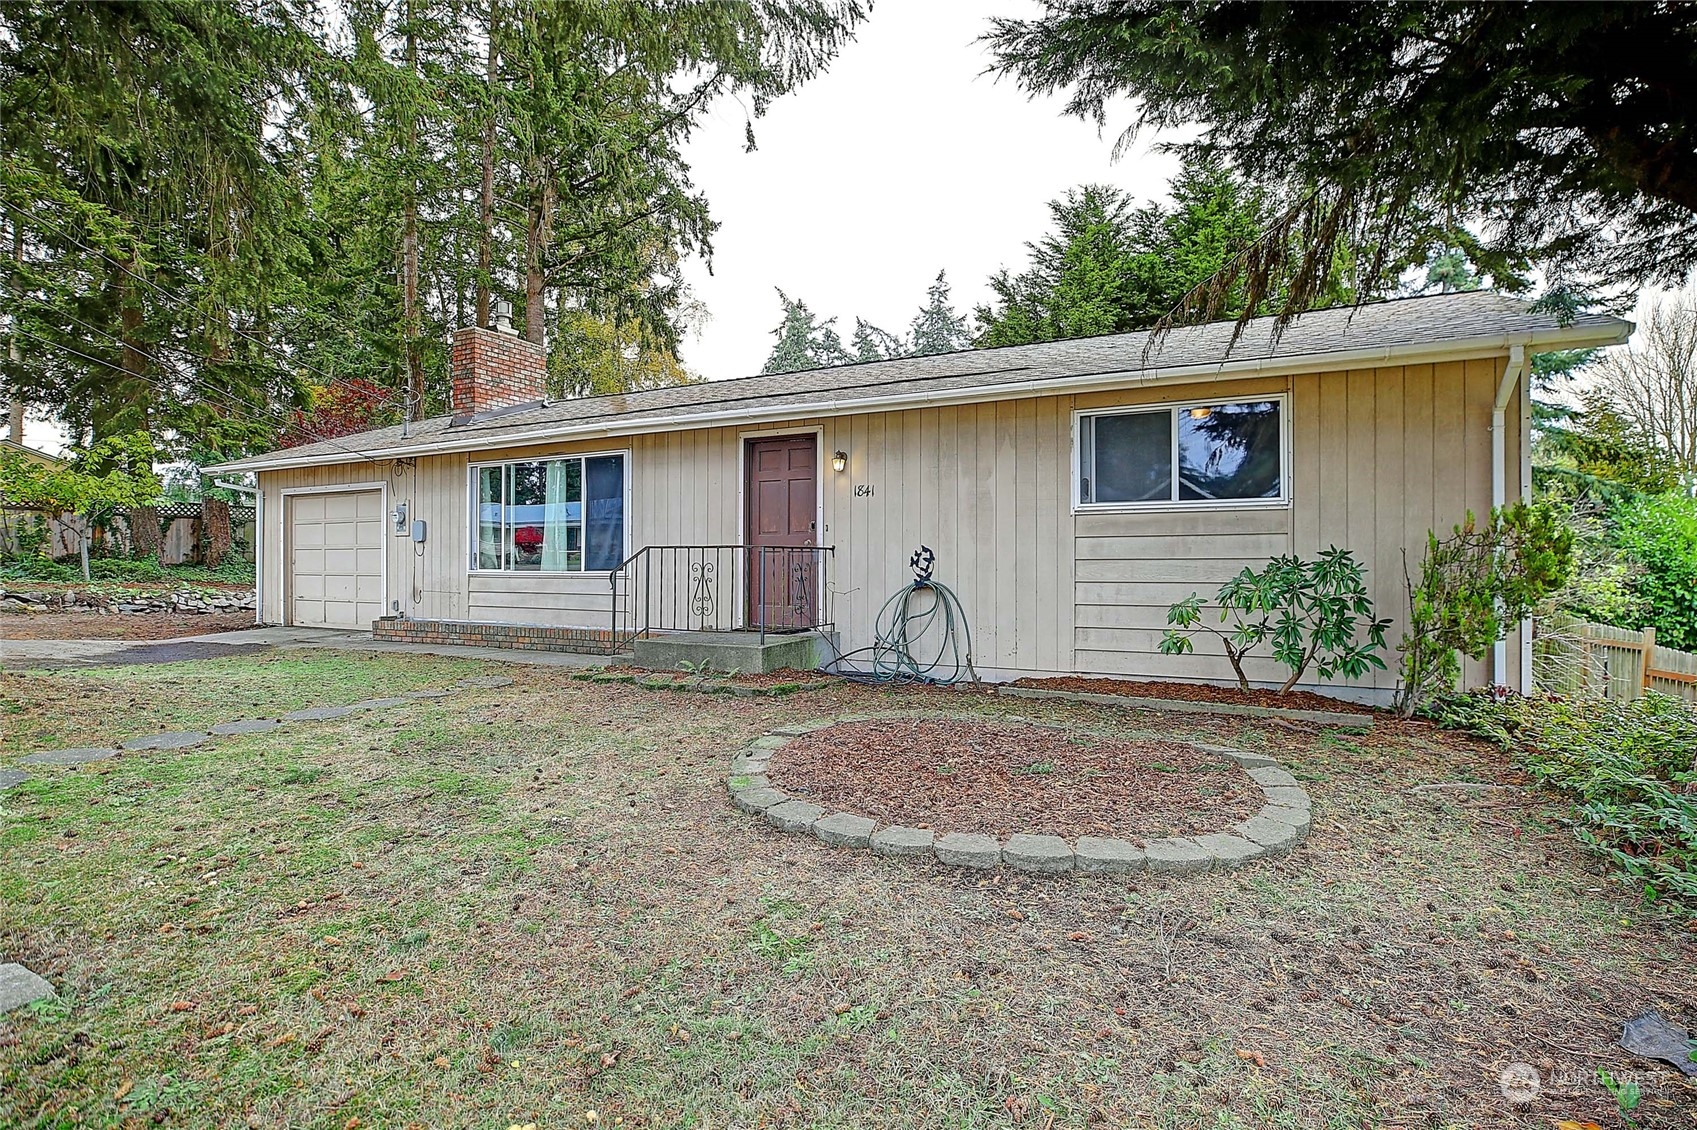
column 1070, row 490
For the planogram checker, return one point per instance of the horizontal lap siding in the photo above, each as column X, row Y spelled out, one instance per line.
column 1379, row 456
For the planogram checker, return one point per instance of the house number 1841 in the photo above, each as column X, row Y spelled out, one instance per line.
column 863, row 490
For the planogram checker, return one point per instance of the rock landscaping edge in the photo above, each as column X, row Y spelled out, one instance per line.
column 1281, row 824
column 1190, row 706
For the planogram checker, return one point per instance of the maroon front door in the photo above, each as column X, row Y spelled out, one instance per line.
column 782, row 495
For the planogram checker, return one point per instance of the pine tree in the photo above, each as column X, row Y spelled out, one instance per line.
column 1108, row 267
column 937, row 328
column 870, row 343
column 804, row 342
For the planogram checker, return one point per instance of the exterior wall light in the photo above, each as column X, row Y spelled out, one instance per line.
column 839, row 461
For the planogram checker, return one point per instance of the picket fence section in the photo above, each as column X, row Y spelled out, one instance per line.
column 1579, row 658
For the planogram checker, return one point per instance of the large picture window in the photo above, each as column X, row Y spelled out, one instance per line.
column 1206, row 452
column 550, row 515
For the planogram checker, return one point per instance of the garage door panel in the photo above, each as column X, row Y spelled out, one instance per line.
column 336, row 559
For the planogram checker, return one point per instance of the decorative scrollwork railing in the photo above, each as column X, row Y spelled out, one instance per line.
column 721, row 588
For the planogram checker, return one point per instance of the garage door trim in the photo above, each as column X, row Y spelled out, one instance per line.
column 285, row 587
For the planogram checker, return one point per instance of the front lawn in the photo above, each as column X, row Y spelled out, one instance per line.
column 535, row 905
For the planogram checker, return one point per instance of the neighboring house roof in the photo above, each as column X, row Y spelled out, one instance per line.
column 30, row 452
column 1403, row 331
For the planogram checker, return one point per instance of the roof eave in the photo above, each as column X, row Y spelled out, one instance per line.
column 1589, row 335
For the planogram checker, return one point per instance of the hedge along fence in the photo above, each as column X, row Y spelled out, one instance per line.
column 1582, row 659
column 178, row 533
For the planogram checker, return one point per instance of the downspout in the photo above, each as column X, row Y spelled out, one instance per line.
column 1526, row 497
column 1499, row 474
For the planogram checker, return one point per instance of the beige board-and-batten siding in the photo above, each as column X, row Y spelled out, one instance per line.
column 1377, row 458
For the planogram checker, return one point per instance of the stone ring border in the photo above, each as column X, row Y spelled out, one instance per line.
column 1282, row 823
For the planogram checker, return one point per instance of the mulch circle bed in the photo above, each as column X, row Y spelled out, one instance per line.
column 1195, row 692
column 1002, row 778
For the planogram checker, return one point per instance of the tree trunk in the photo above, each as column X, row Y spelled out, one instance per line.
column 411, row 321
column 539, row 224
column 15, row 415
column 83, row 535
column 486, row 202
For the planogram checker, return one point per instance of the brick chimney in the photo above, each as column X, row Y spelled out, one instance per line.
column 495, row 369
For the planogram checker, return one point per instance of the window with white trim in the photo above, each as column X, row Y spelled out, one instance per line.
column 549, row 515
column 1207, row 452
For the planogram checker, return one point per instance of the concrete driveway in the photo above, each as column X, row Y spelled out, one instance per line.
column 112, row 653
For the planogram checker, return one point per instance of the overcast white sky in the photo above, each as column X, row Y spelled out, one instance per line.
column 901, row 160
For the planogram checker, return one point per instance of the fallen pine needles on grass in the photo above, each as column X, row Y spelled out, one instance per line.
column 1626, row 766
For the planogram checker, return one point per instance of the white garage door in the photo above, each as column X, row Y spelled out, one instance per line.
column 336, row 559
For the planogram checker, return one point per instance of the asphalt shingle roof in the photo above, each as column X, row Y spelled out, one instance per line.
column 1491, row 319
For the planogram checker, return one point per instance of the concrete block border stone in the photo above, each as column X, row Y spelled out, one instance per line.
column 1281, row 824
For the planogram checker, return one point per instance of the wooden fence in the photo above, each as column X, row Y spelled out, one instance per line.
column 1575, row 657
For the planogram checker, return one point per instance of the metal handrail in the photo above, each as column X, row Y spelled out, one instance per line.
column 725, row 587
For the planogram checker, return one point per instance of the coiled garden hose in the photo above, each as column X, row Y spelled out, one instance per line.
column 900, row 624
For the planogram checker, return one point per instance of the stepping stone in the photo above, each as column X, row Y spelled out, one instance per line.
column 430, row 694
column 1229, row 851
column 18, row 987
column 492, row 682
column 898, row 841
column 11, row 777
column 381, row 704
column 769, row 742
column 80, row 756
column 739, row 782
column 1177, row 857
column 794, row 815
column 844, row 829
column 1103, row 854
column 755, row 801
column 963, row 849
column 318, row 714
column 1042, row 854
column 175, row 739
column 245, row 726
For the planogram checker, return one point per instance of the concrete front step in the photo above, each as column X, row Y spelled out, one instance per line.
column 746, row 652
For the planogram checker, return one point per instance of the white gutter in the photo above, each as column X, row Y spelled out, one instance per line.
column 1512, row 373
column 259, row 557
column 1526, row 496
column 1573, row 337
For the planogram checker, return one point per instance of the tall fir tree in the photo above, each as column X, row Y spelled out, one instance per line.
column 804, row 342
column 938, row 328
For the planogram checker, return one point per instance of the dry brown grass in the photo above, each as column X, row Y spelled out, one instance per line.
column 523, row 905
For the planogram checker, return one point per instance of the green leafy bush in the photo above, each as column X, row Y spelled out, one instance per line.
column 127, row 569
column 33, row 568
column 1311, row 611
column 1659, row 533
column 1627, row 767
column 1474, row 585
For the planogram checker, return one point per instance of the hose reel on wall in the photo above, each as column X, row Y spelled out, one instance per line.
column 907, row 619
